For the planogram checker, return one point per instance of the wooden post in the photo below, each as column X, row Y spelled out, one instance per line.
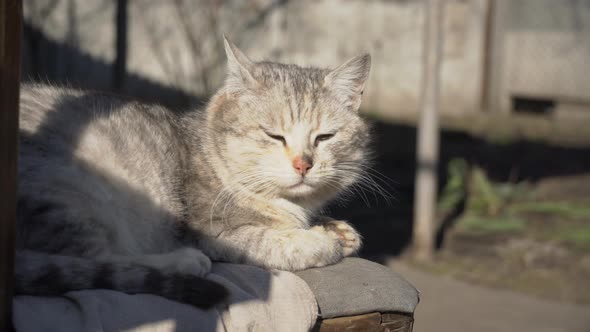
column 495, row 99
column 428, row 135
column 10, row 35
column 120, row 66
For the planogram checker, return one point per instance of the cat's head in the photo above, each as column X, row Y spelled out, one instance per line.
column 288, row 131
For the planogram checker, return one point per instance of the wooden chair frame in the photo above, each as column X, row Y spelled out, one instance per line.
column 10, row 38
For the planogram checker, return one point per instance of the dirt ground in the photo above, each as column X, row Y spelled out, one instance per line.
column 448, row 305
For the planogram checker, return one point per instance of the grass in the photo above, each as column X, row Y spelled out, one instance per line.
column 561, row 209
column 513, row 209
column 561, row 231
column 477, row 224
column 579, row 237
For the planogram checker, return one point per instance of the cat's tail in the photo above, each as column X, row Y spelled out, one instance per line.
column 38, row 273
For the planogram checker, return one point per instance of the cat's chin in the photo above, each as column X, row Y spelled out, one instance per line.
column 299, row 190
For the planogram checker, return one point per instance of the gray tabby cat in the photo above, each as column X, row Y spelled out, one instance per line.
column 119, row 195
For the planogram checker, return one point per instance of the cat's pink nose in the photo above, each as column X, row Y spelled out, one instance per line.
column 302, row 165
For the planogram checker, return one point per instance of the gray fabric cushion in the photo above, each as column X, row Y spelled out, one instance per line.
column 356, row 286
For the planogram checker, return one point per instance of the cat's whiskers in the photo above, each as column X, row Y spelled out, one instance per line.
column 335, row 180
column 243, row 188
column 367, row 182
column 242, row 193
column 370, row 169
column 226, row 191
column 223, row 192
column 378, row 176
column 363, row 178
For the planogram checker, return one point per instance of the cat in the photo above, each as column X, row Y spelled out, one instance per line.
column 137, row 198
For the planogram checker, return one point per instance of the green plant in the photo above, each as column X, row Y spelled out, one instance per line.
column 455, row 190
column 478, row 224
column 578, row 236
column 562, row 209
column 483, row 198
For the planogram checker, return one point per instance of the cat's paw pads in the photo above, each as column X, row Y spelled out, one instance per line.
column 347, row 236
column 192, row 261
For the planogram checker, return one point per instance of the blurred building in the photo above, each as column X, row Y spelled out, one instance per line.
column 499, row 55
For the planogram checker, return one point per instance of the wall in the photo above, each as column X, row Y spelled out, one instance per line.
column 181, row 47
column 543, row 52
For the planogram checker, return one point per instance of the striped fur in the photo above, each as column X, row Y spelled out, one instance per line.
column 137, row 198
column 40, row 273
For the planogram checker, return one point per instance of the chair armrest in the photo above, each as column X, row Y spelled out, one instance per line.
column 357, row 286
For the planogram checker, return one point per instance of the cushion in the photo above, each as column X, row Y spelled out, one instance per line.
column 260, row 301
column 357, row 286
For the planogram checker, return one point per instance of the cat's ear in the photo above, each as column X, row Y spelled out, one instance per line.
column 348, row 81
column 240, row 68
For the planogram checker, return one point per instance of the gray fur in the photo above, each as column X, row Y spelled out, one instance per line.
column 116, row 194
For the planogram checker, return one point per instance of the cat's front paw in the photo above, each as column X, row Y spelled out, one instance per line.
column 347, row 236
column 190, row 261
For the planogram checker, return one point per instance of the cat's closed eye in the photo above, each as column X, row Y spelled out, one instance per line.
column 321, row 138
column 277, row 137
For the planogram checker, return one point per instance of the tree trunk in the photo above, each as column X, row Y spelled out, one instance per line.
column 428, row 136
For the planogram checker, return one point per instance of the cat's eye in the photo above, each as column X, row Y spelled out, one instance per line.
column 277, row 138
column 322, row 137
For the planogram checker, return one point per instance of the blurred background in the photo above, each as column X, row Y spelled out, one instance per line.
column 510, row 231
